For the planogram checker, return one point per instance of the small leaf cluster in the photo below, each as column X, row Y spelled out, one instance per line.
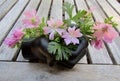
column 60, row 52
column 109, row 21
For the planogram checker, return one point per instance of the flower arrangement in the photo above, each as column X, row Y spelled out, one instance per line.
column 64, row 36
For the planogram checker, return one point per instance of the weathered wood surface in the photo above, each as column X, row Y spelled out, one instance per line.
column 11, row 16
column 115, row 4
column 2, row 2
column 44, row 8
column 110, row 54
column 12, row 71
column 4, row 9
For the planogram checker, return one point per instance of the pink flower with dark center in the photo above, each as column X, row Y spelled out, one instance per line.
column 15, row 38
column 72, row 36
column 105, row 32
column 31, row 19
column 53, row 27
column 97, row 44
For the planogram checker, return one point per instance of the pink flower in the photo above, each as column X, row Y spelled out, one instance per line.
column 18, row 34
column 97, row 44
column 53, row 27
column 15, row 38
column 71, row 36
column 105, row 32
column 31, row 19
column 10, row 41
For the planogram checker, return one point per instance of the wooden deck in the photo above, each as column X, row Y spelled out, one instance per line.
column 97, row 65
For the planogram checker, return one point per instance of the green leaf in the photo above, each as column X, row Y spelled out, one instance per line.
column 79, row 14
column 110, row 21
column 68, row 8
column 59, row 51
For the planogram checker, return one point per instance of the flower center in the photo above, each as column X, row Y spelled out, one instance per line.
column 33, row 20
column 104, row 29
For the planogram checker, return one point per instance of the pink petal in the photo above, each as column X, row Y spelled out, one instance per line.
column 77, row 33
column 71, row 29
column 60, row 31
column 109, row 36
column 18, row 34
column 59, row 23
column 47, row 30
column 97, row 44
column 67, row 41
column 51, row 36
column 26, row 21
column 10, row 41
column 75, row 41
column 98, row 34
column 65, row 35
column 30, row 14
column 50, row 22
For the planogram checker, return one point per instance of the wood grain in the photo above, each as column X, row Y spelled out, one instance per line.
column 44, row 8
column 115, row 4
column 12, row 71
column 2, row 2
column 6, row 7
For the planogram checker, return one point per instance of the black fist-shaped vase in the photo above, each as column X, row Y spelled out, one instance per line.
column 36, row 49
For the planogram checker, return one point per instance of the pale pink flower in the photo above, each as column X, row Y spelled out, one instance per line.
column 72, row 36
column 97, row 44
column 53, row 27
column 31, row 19
column 15, row 38
column 105, row 32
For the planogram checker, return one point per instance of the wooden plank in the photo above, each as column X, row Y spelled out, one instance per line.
column 2, row 2
column 95, row 56
column 110, row 12
column 115, row 5
column 14, row 71
column 9, row 20
column 114, row 47
column 41, row 13
column 8, row 53
column 6, row 7
column 21, row 58
column 44, row 8
column 83, row 60
column 56, row 10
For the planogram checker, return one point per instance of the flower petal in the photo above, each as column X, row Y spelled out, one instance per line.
column 75, row 41
column 67, row 41
column 51, row 36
